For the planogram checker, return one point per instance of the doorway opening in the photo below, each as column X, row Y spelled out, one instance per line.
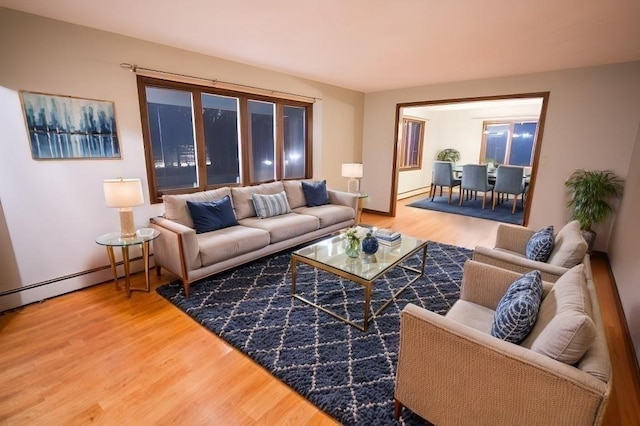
column 493, row 130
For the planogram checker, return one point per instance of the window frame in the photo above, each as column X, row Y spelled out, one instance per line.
column 511, row 124
column 404, row 146
column 246, row 165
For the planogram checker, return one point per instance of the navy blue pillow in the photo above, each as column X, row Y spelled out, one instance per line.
column 540, row 245
column 517, row 311
column 212, row 215
column 315, row 193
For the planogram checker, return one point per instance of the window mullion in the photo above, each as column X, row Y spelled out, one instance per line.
column 279, row 141
column 245, row 140
column 198, row 120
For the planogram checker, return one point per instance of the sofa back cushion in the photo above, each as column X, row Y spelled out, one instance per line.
column 175, row 206
column 243, row 200
column 569, row 247
column 295, row 195
column 564, row 330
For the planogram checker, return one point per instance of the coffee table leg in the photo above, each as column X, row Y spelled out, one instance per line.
column 367, row 302
column 293, row 275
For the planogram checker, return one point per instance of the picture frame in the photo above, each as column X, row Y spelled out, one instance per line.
column 66, row 127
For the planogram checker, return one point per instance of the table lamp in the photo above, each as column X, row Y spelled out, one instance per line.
column 124, row 194
column 353, row 171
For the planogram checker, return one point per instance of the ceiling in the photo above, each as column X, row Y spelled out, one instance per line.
column 374, row 45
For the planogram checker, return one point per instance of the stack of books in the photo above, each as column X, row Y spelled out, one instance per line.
column 388, row 237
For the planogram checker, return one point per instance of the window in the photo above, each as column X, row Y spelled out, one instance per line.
column 411, row 143
column 198, row 137
column 509, row 142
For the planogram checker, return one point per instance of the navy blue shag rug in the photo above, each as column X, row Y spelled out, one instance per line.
column 347, row 373
column 473, row 208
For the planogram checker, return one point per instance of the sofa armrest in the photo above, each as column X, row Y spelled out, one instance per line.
column 442, row 363
column 176, row 249
column 513, row 238
column 343, row 198
column 517, row 263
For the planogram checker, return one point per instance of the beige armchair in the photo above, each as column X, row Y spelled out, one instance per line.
column 451, row 371
column 510, row 247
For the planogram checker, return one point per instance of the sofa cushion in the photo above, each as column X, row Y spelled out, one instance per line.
column 295, row 194
column 315, row 193
column 243, row 201
column 472, row 315
column 175, row 206
column 211, row 215
column 225, row 243
column 329, row 214
column 569, row 247
column 564, row 330
column 517, row 311
column 540, row 245
column 268, row 205
column 285, row 226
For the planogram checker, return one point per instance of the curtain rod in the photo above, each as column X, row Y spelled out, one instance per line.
column 217, row 83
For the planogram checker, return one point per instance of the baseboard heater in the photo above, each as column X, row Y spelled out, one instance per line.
column 66, row 277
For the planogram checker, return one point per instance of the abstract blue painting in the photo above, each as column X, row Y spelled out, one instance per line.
column 64, row 127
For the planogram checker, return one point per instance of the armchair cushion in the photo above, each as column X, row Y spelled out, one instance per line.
column 564, row 330
column 212, row 215
column 569, row 247
column 540, row 245
column 315, row 193
column 518, row 309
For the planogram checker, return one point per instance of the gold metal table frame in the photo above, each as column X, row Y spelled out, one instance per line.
column 312, row 256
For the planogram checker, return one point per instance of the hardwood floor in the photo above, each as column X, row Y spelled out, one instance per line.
column 94, row 356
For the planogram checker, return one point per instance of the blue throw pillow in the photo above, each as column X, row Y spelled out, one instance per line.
column 540, row 245
column 212, row 215
column 270, row 205
column 315, row 193
column 518, row 309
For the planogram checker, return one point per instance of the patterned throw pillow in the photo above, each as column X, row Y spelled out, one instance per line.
column 270, row 205
column 212, row 215
column 540, row 245
column 517, row 311
column 315, row 193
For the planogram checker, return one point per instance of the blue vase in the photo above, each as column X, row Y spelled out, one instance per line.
column 370, row 244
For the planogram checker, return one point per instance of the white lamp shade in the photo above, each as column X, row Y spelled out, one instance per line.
column 352, row 170
column 123, row 192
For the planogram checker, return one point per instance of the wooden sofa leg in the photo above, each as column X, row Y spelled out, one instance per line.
column 185, row 284
column 397, row 409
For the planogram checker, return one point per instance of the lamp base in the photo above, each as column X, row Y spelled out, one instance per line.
column 127, row 226
column 353, row 185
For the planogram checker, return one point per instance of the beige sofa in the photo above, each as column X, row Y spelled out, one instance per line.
column 193, row 256
column 452, row 371
column 511, row 241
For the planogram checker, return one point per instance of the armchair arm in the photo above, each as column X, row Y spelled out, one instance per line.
column 449, row 373
column 176, row 249
column 343, row 198
column 513, row 238
column 516, row 263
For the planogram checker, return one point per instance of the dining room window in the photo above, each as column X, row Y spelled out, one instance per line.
column 200, row 137
column 411, row 143
column 509, row 142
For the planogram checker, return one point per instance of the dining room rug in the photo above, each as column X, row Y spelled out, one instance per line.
column 347, row 373
column 473, row 208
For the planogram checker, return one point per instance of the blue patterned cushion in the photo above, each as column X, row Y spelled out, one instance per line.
column 270, row 205
column 540, row 245
column 315, row 193
column 518, row 309
column 212, row 215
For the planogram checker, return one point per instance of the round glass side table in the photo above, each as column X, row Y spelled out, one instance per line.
column 142, row 238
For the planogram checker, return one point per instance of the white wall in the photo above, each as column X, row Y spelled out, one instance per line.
column 623, row 248
column 55, row 209
column 460, row 129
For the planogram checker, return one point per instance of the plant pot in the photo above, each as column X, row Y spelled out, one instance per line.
column 590, row 237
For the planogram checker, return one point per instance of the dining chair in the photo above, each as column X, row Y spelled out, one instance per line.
column 443, row 176
column 475, row 177
column 509, row 181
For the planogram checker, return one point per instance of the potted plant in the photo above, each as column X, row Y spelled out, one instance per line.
column 449, row 154
column 591, row 193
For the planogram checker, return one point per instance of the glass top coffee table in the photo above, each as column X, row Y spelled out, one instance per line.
column 329, row 255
